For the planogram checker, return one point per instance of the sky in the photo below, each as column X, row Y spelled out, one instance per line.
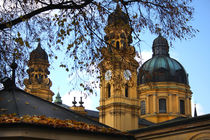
column 193, row 54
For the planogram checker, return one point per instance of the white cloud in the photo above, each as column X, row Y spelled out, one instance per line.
column 90, row 101
column 146, row 55
column 143, row 56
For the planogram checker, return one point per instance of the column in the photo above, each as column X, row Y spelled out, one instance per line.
column 147, row 104
column 170, row 104
column 155, row 103
column 177, row 104
column 187, row 106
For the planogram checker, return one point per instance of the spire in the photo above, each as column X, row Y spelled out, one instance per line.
column 13, row 66
column 195, row 112
column 7, row 82
column 118, row 17
column 58, row 99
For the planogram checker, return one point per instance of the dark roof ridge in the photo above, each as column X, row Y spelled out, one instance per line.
column 171, row 123
column 77, row 114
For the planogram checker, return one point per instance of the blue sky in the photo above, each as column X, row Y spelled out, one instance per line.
column 193, row 54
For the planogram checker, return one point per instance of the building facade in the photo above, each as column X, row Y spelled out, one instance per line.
column 119, row 104
column 158, row 92
column 38, row 82
column 151, row 101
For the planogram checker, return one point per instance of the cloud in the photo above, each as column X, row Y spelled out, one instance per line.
column 143, row 56
column 90, row 101
column 146, row 55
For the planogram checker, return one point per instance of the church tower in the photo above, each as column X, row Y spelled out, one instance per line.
column 38, row 83
column 119, row 104
column 163, row 86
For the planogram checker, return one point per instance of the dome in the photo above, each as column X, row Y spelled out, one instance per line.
column 38, row 53
column 161, row 67
column 118, row 16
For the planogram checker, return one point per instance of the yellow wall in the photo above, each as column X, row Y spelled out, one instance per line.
column 172, row 92
column 195, row 130
column 33, row 86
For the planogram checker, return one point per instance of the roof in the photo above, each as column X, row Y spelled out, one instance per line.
column 39, row 53
column 118, row 17
column 145, row 122
column 92, row 113
column 17, row 101
column 160, row 46
column 161, row 67
column 172, row 123
column 41, row 127
column 12, row 120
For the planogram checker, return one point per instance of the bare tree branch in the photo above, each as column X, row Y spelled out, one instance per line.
column 20, row 19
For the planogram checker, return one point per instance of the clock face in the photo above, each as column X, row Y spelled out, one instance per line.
column 127, row 74
column 108, row 75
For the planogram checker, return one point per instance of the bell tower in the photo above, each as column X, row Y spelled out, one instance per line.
column 119, row 104
column 38, row 83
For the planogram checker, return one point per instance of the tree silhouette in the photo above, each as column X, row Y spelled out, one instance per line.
column 76, row 27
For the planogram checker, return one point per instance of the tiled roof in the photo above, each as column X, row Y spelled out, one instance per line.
column 55, row 123
column 22, row 103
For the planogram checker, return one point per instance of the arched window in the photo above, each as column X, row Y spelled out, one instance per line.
column 182, row 106
column 143, row 108
column 118, row 45
column 109, row 90
column 162, row 105
column 126, row 90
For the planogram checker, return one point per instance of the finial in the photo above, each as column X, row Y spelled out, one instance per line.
column 81, row 102
column 118, row 7
column 58, row 99
column 39, row 44
column 74, row 102
column 195, row 112
column 13, row 66
column 160, row 33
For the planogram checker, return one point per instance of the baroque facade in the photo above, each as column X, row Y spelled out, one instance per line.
column 38, row 82
column 152, row 102
column 158, row 92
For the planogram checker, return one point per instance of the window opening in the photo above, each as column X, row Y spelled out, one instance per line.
column 126, row 90
column 162, row 105
column 118, row 45
column 143, row 108
column 109, row 90
column 182, row 106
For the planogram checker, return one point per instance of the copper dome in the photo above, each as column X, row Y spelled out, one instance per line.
column 161, row 67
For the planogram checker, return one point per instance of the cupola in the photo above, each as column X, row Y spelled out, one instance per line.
column 161, row 67
column 38, row 82
column 38, row 53
column 118, row 30
column 118, row 17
